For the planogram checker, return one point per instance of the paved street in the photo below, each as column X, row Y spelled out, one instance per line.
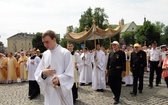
column 16, row 94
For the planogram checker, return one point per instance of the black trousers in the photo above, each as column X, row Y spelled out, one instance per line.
column 34, row 89
column 115, row 85
column 138, row 74
column 74, row 92
column 153, row 67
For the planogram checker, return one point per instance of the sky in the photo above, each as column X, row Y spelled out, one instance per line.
column 33, row 16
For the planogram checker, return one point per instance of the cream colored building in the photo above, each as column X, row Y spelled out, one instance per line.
column 2, row 48
column 129, row 27
column 20, row 41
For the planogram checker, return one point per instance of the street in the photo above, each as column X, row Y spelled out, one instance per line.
column 17, row 94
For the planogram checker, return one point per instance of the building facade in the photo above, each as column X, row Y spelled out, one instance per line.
column 20, row 41
column 2, row 48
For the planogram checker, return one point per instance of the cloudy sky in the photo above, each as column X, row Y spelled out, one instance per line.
column 33, row 16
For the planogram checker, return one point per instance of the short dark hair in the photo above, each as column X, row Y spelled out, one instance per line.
column 70, row 43
column 154, row 43
column 98, row 44
column 49, row 33
column 85, row 48
column 11, row 53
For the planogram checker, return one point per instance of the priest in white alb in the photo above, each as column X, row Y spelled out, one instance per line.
column 98, row 75
column 55, row 73
column 86, row 70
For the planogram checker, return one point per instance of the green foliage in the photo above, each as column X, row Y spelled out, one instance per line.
column 140, row 35
column 128, row 38
column 86, row 21
column 165, row 30
column 144, row 34
column 149, row 32
column 37, row 42
column 100, row 17
column 164, row 37
column 63, row 41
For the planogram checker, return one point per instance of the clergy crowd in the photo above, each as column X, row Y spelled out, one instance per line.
column 60, row 71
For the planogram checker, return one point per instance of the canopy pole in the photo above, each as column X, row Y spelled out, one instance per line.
column 145, row 43
column 84, row 43
column 95, row 41
column 110, row 41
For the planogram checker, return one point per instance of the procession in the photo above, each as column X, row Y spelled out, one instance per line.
column 98, row 68
column 74, row 52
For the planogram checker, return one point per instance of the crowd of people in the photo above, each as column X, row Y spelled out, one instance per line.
column 20, row 67
column 60, row 71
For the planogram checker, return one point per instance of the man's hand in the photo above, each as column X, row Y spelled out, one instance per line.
column 145, row 69
column 159, row 65
column 123, row 74
column 55, row 81
column 32, row 62
column 106, row 72
column 48, row 72
column 76, row 66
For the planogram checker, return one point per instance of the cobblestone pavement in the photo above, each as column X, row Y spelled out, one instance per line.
column 16, row 94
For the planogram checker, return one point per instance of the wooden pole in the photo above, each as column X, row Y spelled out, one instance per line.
column 84, row 43
column 110, row 41
column 95, row 41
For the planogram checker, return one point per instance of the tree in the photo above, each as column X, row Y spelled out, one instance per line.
column 164, row 36
column 63, row 42
column 140, row 35
column 159, row 27
column 165, row 30
column 128, row 38
column 86, row 19
column 100, row 17
column 37, row 42
column 149, row 32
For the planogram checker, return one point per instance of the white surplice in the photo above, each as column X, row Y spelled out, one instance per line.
column 98, row 75
column 59, row 59
column 32, row 67
column 86, row 70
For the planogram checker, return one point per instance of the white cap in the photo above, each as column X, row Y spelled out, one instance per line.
column 115, row 42
column 163, row 46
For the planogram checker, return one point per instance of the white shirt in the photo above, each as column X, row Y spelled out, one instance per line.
column 163, row 55
column 154, row 54
column 32, row 67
